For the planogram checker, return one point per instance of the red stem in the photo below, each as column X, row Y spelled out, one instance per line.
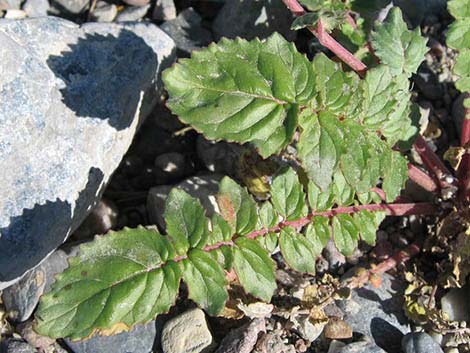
column 432, row 162
column 328, row 41
column 422, row 179
column 463, row 172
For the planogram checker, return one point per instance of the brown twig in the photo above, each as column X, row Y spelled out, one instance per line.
column 422, row 179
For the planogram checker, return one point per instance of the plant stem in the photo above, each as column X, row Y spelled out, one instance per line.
column 463, row 172
column 328, row 41
column 422, row 178
column 432, row 162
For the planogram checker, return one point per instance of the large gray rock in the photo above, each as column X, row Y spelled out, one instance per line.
column 71, row 99
column 420, row 342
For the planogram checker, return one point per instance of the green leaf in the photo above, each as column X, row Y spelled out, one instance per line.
column 320, row 200
column 368, row 222
column 221, row 230
column 320, row 146
column 396, row 46
column 287, row 195
column 254, row 268
column 186, row 223
column 395, row 169
column 267, row 216
column 237, row 207
column 242, row 91
column 318, row 233
column 268, row 241
column 125, row 277
column 458, row 35
column 459, row 9
column 206, row 281
column 462, row 69
column 297, row 250
column 346, row 233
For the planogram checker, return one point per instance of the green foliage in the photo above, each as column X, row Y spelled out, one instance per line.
column 458, row 37
column 130, row 276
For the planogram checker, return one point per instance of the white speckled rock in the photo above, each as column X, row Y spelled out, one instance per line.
column 186, row 333
column 71, row 99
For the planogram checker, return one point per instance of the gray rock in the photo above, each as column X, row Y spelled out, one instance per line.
column 139, row 340
column 187, row 332
column 9, row 4
column 219, row 157
column 164, row 10
column 361, row 347
column 333, row 256
column 378, row 313
column 187, row 32
column 273, row 343
column 14, row 14
column 56, row 263
column 21, row 298
column 72, row 98
column 253, row 18
column 104, row 12
column 132, row 13
column 36, row 8
column 243, row 339
column 420, row 342
column 69, row 8
column 204, row 187
column 16, row 346
column 456, row 305
column 172, row 164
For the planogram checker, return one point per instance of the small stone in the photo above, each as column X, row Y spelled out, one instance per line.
column 273, row 343
column 337, row 329
column 21, row 299
column 136, row 2
column 104, row 12
column 164, row 10
column 42, row 343
column 361, row 347
column 132, row 13
column 420, row 342
column 139, row 340
column 187, row 32
column 172, row 164
column 306, row 329
column 455, row 304
column 333, row 256
column 336, row 346
column 14, row 14
column 243, row 339
column 187, row 332
column 69, row 8
column 102, row 219
column 16, row 346
column 36, row 8
column 9, row 4
column 203, row 186
column 250, row 18
column 219, row 157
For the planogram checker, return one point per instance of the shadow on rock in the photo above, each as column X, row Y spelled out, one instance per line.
column 98, row 65
column 30, row 237
column 385, row 335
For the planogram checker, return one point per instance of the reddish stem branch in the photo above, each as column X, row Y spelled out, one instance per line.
column 422, row 178
column 463, row 172
column 328, row 41
column 432, row 162
column 392, row 262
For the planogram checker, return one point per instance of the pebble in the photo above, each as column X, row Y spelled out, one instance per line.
column 164, row 10
column 456, row 304
column 219, row 157
column 136, row 2
column 384, row 315
column 361, row 347
column 9, row 4
column 273, row 343
column 104, row 12
column 242, row 339
column 420, row 342
column 36, row 8
column 203, row 186
column 172, row 164
column 14, row 14
column 42, row 343
column 140, row 339
column 337, row 329
column 187, row 332
column 187, row 31
column 102, row 218
column 16, row 346
column 306, row 329
column 69, row 8
column 132, row 13
column 333, row 256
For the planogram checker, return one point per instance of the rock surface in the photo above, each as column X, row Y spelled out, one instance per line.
column 132, row 13
column 378, row 313
column 139, row 340
column 420, row 342
column 243, row 339
column 164, row 10
column 361, row 347
column 72, row 98
column 456, row 305
column 36, row 8
column 16, row 346
column 187, row 332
